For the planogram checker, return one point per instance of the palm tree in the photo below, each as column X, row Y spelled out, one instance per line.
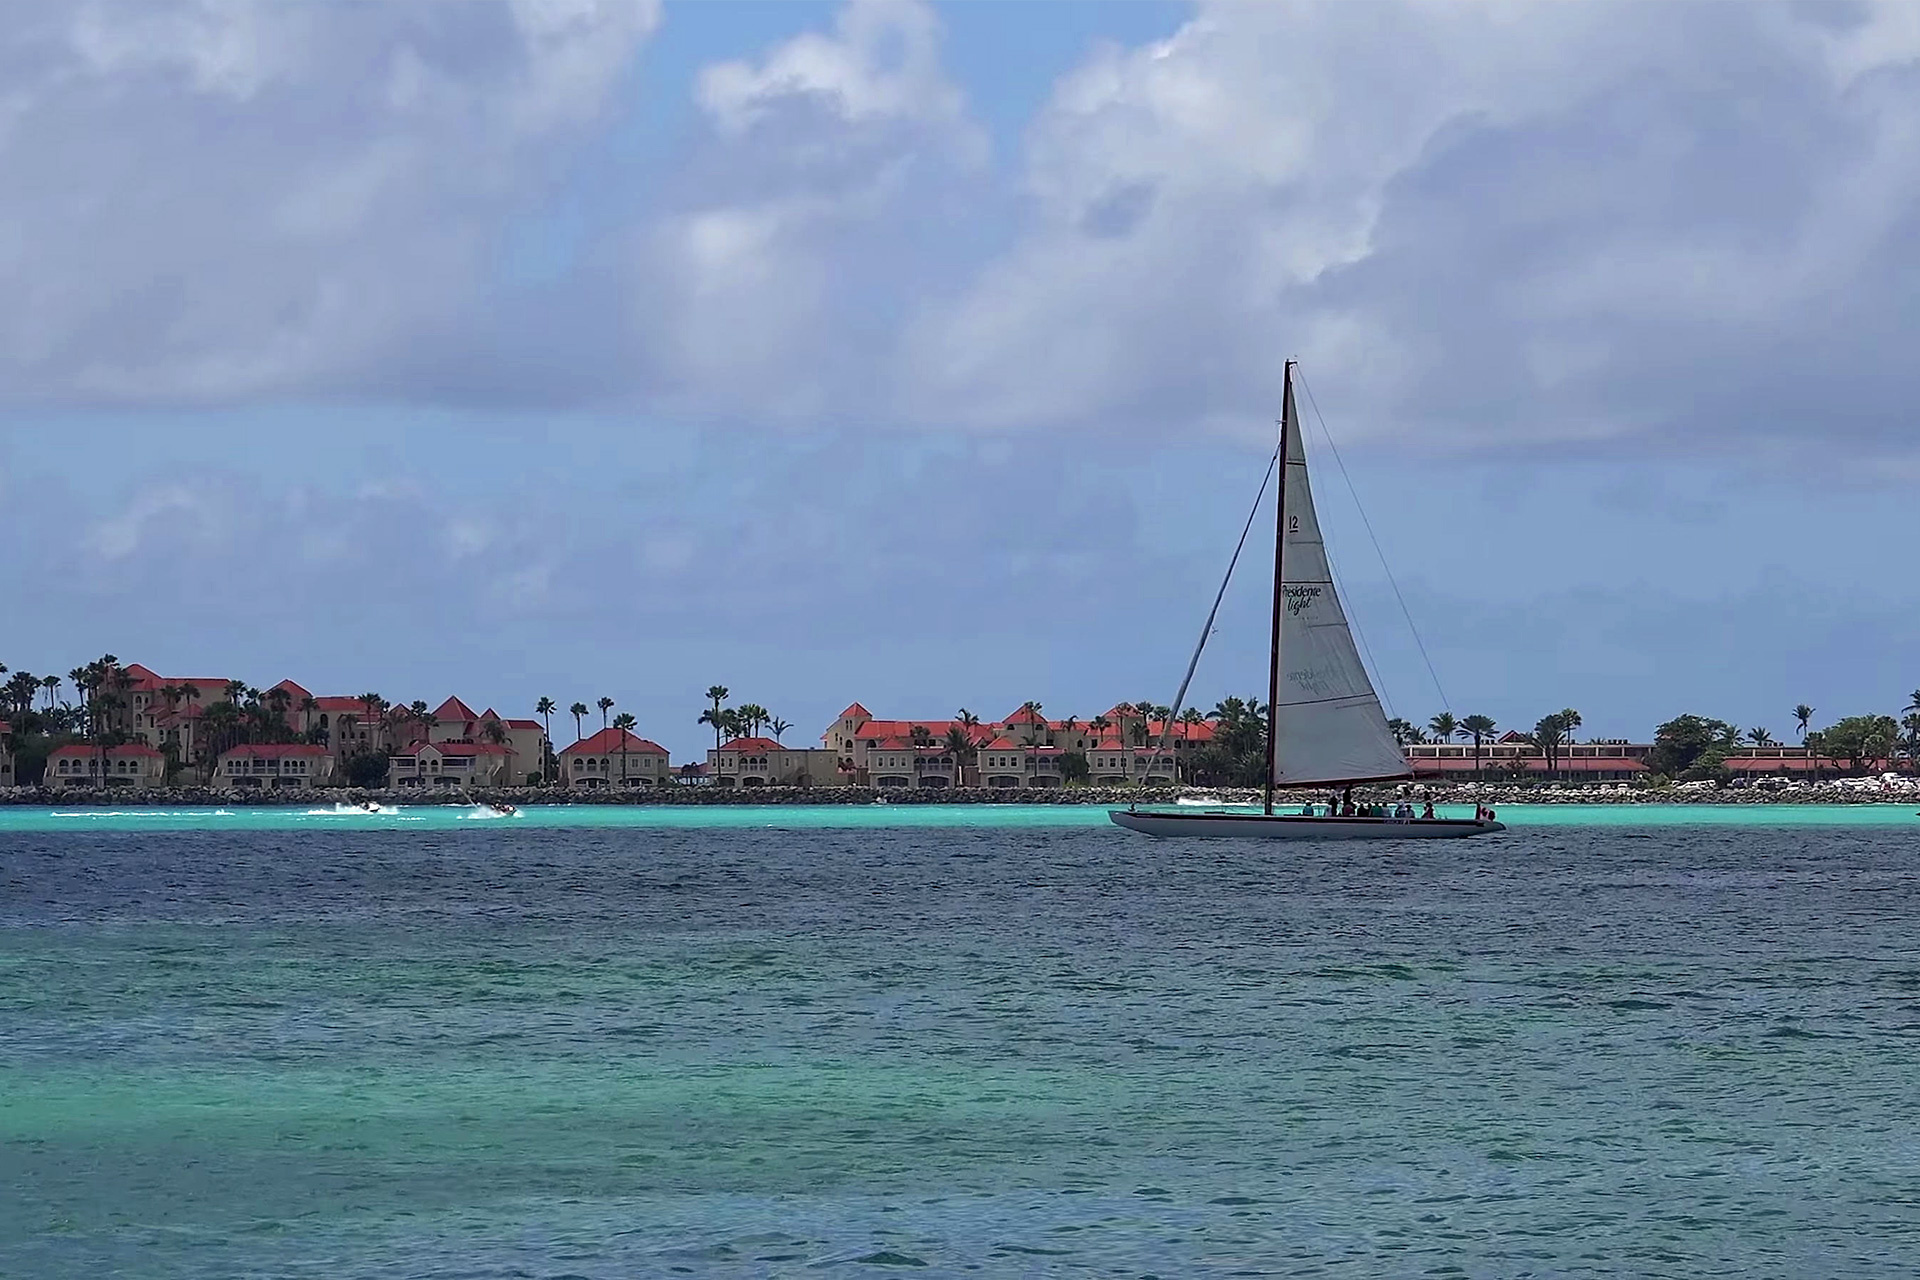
column 1479, row 728
column 716, row 694
column 921, row 735
column 1403, row 732
column 624, row 723
column 545, row 709
column 778, row 727
column 605, row 705
column 752, row 715
column 52, row 685
column 1760, row 738
column 1911, row 723
column 1445, row 727
column 578, row 710
column 1548, row 735
column 1099, row 725
column 1569, row 721
column 1801, row 715
column 966, row 717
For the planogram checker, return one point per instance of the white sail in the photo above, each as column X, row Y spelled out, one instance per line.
column 1329, row 724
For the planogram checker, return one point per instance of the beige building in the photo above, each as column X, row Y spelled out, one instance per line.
column 133, row 764
column 268, row 766
column 762, row 762
column 450, row 764
column 525, row 741
column 614, row 758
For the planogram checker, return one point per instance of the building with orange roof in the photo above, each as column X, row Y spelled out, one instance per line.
column 78, row 765
column 764, row 762
column 614, row 758
column 451, row 765
column 268, row 766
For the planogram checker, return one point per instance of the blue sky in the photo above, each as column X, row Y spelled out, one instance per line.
column 929, row 355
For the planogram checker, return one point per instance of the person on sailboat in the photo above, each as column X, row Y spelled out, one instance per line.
column 1427, row 811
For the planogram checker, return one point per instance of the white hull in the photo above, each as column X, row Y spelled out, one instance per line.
column 1293, row 826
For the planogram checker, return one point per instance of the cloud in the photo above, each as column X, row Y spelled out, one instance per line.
column 1483, row 226
column 214, row 201
column 1489, row 225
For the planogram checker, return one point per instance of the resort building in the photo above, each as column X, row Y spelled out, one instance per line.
column 1022, row 751
column 525, row 741
column 763, row 762
column 451, row 764
column 614, row 758
column 132, row 764
column 257, row 766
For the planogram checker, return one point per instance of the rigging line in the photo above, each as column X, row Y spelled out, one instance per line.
column 1355, row 494
column 1206, row 629
column 1359, row 632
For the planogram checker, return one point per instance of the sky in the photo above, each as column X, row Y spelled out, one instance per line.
column 930, row 355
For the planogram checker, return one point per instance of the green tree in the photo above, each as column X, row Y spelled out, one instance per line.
column 920, row 735
column 1074, row 768
column 1689, row 741
column 778, row 727
column 577, row 710
column 367, row 769
column 1444, row 727
column 605, row 705
column 1802, row 714
column 545, row 709
column 717, row 695
column 1479, row 728
column 1761, row 738
column 624, row 722
column 1861, row 741
column 1911, row 723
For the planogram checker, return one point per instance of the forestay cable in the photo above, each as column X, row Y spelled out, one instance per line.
column 1166, row 730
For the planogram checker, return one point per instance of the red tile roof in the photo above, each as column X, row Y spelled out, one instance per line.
column 294, row 689
column 274, row 750
column 855, row 712
column 139, row 749
column 461, row 749
column 1202, row 732
column 331, row 703
column 454, row 709
column 1024, row 716
column 1005, row 743
column 607, row 743
column 758, row 746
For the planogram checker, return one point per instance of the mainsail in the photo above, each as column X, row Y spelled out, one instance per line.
column 1328, row 726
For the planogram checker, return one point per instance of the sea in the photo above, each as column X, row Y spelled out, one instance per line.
column 587, row 1042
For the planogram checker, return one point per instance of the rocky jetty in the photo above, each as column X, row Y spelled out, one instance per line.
column 1871, row 790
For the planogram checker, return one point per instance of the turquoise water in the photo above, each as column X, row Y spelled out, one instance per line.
column 738, row 1043
column 869, row 816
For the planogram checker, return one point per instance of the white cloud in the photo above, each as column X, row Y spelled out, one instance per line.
column 1411, row 196
column 218, row 200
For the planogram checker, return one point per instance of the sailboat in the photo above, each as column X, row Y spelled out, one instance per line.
column 1325, row 728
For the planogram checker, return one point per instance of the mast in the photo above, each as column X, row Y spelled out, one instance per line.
column 1279, row 580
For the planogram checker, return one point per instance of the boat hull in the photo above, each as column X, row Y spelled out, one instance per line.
column 1293, row 826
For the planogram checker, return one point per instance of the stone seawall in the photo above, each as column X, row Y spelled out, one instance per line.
column 1844, row 791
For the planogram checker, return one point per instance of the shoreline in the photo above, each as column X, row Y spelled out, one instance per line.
column 1863, row 791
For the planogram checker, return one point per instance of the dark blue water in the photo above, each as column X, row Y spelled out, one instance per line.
column 500, row 1051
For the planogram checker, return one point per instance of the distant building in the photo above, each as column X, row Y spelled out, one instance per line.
column 451, row 764
column 763, row 762
column 267, row 766
column 1022, row 751
column 614, row 758
column 132, row 764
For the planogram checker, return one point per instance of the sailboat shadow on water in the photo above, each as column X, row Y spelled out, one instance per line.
column 1325, row 727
